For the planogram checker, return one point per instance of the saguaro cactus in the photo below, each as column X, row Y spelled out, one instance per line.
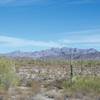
column 81, row 62
column 71, row 68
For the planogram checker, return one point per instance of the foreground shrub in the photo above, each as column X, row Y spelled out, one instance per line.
column 84, row 84
column 7, row 73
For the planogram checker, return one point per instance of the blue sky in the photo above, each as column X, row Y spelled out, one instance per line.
column 30, row 25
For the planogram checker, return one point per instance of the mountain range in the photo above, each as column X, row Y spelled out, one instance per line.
column 58, row 53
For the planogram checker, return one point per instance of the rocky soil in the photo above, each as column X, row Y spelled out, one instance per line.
column 46, row 84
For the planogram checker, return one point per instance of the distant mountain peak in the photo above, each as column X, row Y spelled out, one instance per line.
column 59, row 53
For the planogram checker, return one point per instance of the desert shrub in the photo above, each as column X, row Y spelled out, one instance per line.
column 84, row 84
column 7, row 73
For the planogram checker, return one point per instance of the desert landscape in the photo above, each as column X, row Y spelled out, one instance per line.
column 49, row 49
column 50, row 78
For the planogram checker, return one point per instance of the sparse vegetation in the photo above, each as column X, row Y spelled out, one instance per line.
column 84, row 85
column 7, row 73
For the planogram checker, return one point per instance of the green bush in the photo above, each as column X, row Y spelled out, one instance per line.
column 7, row 73
column 84, row 84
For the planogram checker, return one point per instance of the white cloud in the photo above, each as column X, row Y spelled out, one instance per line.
column 82, row 38
column 16, row 42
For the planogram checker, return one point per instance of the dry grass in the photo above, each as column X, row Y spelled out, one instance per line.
column 36, row 87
